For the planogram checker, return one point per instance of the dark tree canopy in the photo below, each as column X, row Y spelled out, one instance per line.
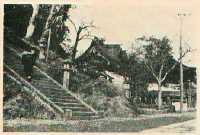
column 17, row 17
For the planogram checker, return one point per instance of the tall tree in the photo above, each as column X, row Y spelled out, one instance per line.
column 31, row 26
column 56, row 36
column 157, row 55
column 83, row 31
column 55, row 31
column 138, row 77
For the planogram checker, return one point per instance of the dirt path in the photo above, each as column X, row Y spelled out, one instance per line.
column 187, row 127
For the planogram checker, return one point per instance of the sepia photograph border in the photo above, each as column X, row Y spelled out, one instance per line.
column 168, row 3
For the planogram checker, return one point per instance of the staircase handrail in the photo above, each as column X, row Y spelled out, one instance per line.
column 57, row 83
column 31, row 87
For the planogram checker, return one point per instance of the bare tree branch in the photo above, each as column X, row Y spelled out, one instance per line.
column 73, row 24
column 89, row 38
column 81, row 29
column 187, row 51
column 151, row 70
column 86, row 36
column 86, row 28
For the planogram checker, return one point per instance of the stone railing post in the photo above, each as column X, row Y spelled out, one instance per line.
column 67, row 114
column 66, row 76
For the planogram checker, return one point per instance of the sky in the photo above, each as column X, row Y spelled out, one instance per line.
column 124, row 22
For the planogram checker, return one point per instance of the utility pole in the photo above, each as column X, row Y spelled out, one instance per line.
column 189, row 95
column 181, row 63
column 181, row 15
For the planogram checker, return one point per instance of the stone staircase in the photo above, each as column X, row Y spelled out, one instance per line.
column 51, row 89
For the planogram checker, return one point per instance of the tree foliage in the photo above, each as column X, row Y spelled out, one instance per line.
column 56, row 30
column 157, row 54
column 157, row 57
column 16, row 16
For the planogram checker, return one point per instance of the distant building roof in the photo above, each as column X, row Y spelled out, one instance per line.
column 118, row 80
column 170, row 87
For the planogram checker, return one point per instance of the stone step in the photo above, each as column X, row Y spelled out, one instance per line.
column 36, row 74
column 43, row 81
column 48, row 87
column 82, row 113
column 11, row 62
column 48, row 94
column 72, row 104
column 69, row 100
column 17, row 70
column 19, row 66
column 53, row 92
column 82, row 109
column 20, row 71
column 85, row 117
column 61, row 96
column 36, row 77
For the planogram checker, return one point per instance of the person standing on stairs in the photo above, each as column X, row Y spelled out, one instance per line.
column 28, row 60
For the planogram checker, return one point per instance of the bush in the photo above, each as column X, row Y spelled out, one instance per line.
column 22, row 105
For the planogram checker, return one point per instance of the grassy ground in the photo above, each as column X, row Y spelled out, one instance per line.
column 101, row 125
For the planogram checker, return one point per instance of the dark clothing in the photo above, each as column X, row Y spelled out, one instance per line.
column 28, row 60
column 28, row 69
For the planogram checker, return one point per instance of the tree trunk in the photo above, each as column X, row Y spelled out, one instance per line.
column 159, row 96
column 48, row 44
column 49, row 17
column 31, row 27
column 42, row 53
column 66, row 77
column 76, row 44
